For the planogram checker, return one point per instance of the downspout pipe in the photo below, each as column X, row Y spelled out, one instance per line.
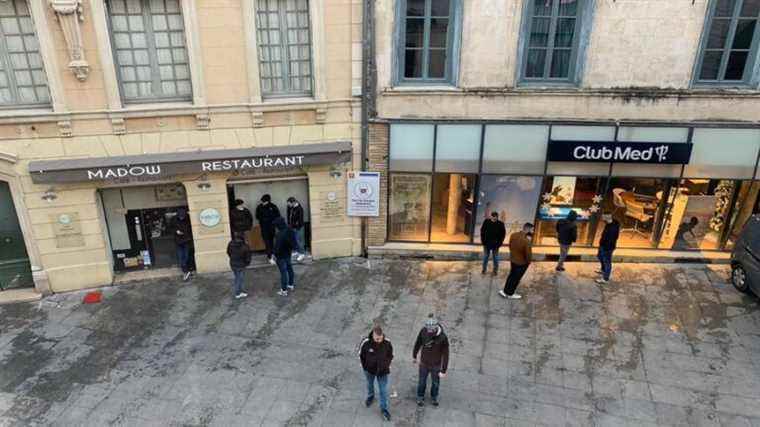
column 368, row 94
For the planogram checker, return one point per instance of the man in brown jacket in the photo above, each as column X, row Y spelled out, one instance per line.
column 520, row 254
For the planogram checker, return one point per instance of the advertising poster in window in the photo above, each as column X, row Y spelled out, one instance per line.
column 694, row 231
column 563, row 190
column 514, row 197
column 410, row 206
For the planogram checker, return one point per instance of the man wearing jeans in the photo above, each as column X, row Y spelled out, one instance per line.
column 567, row 234
column 240, row 258
column 492, row 234
column 183, row 239
column 433, row 348
column 284, row 244
column 607, row 245
column 376, row 355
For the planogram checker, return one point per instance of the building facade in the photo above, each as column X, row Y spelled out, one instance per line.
column 117, row 114
column 647, row 110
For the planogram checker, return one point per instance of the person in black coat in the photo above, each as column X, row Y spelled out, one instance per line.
column 183, row 239
column 296, row 222
column 240, row 258
column 266, row 213
column 567, row 234
column 432, row 345
column 607, row 245
column 492, row 235
column 284, row 245
column 241, row 220
column 376, row 355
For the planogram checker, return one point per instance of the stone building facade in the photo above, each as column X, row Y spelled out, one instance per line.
column 120, row 88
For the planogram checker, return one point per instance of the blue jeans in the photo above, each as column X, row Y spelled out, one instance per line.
column 422, row 384
column 287, row 276
column 183, row 256
column 238, row 281
column 605, row 258
column 382, row 385
column 300, row 239
column 487, row 252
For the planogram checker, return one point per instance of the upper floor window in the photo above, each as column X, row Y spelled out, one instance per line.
column 22, row 76
column 551, row 40
column 148, row 39
column 426, row 34
column 730, row 43
column 284, row 40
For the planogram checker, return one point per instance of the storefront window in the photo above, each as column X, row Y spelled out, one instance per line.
column 514, row 198
column 411, row 148
column 409, row 207
column 650, row 135
column 746, row 206
column 457, row 148
column 580, row 133
column 560, row 195
column 725, row 153
column 640, row 205
column 515, row 149
column 453, row 207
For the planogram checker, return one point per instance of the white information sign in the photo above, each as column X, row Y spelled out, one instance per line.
column 364, row 193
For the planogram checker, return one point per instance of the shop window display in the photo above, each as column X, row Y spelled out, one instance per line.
column 560, row 195
column 640, row 204
column 409, row 207
column 453, row 207
column 746, row 205
column 514, row 198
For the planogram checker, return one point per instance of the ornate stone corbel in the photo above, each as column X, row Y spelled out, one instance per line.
column 258, row 119
column 119, row 125
column 202, row 121
column 321, row 115
column 69, row 13
column 64, row 128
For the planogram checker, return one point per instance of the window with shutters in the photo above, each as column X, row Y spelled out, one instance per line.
column 22, row 75
column 730, row 43
column 148, row 38
column 284, row 46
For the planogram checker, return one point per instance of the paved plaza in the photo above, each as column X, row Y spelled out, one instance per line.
column 661, row 345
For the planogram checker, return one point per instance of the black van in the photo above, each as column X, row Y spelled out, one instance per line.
column 745, row 258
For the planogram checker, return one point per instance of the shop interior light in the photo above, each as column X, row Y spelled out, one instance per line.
column 49, row 195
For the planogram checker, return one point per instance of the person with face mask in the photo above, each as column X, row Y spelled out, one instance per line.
column 266, row 213
column 295, row 221
column 376, row 355
column 183, row 239
column 607, row 245
column 241, row 220
column 432, row 345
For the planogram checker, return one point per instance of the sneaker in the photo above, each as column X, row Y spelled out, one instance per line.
column 435, row 402
column 386, row 415
column 300, row 257
column 601, row 281
column 186, row 276
column 503, row 294
column 290, row 288
column 243, row 294
column 369, row 401
column 272, row 261
column 420, row 403
column 514, row 296
column 240, row 295
column 282, row 293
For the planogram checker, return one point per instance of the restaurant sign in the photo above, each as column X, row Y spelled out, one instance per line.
column 619, row 152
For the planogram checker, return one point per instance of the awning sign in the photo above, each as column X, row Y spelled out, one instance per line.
column 619, row 152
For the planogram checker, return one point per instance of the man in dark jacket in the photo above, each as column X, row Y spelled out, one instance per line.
column 567, row 234
column 433, row 348
column 607, row 245
column 266, row 213
column 240, row 258
column 183, row 239
column 376, row 355
column 492, row 234
column 241, row 220
column 284, row 244
column 295, row 221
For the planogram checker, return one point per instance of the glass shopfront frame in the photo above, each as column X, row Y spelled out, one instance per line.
column 513, row 155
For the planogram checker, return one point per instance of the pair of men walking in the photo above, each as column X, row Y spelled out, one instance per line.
column 376, row 355
column 567, row 234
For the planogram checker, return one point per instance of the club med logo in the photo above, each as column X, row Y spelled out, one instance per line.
column 123, row 172
column 622, row 154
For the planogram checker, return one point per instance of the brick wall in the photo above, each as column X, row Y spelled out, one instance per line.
column 378, row 162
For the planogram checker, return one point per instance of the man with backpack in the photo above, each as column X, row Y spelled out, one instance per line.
column 376, row 354
column 240, row 258
column 432, row 345
column 284, row 244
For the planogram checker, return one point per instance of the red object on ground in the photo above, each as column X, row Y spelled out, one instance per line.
column 93, row 297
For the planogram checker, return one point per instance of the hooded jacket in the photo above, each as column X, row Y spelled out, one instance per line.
column 376, row 357
column 295, row 216
column 239, row 253
column 492, row 234
column 266, row 214
column 610, row 236
column 182, row 225
column 433, row 349
column 567, row 231
column 241, row 219
column 285, row 240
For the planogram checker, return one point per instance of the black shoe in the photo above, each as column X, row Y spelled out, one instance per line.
column 420, row 402
column 495, row 273
column 369, row 401
column 435, row 402
column 483, row 272
column 386, row 415
column 560, row 268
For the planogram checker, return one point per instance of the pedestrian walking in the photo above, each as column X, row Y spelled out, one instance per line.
column 295, row 221
column 240, row 258
column 520, row 256
column 376, row 355
column 284, row 245
column 607, row 245
column 432, row 345
column 183, row 240
column 492, row 235
column 567, row 234
column 266, row 213
column 241, row 220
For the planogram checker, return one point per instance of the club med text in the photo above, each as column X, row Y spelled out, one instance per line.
column 621, row 154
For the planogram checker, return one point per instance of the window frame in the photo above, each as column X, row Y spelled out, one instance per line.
column 751, row 77
column 582, row 35
column 284, row 46
column 453, row 43
column 153, row 57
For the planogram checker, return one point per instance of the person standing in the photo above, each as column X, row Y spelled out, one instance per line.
column 492, row 235
column 240, row 258
column 520, row 256
column 432, row 345
column 567, row 234
column 266, row 213
column 284, row 244
column 607, row 245
column 183, row 239
column 295, row 221
column 376, row 355
column 241, row 220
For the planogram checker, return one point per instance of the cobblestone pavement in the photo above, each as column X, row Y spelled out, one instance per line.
column 662, row 345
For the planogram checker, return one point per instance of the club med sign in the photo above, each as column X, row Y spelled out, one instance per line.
column 619, row 152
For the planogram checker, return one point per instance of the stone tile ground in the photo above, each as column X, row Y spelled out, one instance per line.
column 662, row 345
